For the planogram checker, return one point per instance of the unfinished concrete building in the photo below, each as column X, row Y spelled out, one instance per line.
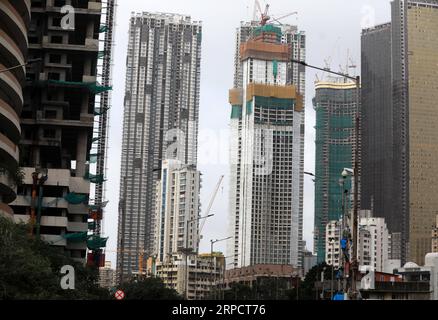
column 14, row 20
column 57, row 123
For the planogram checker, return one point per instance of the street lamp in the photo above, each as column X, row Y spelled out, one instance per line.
column 354, row 264
column 213, row 242
column 187, row 251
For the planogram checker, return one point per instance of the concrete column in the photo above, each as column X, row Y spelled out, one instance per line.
column 81, row 153
column 90, row 30
column 36, row 156
column 87, row 67
column 84, row 106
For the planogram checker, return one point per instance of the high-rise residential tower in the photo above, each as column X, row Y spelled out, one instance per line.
column 60, row 108
column 409, row 202
column 177, row 210
column 267, row 147
column 335, row 104
column 161, row 112
column 14, row 21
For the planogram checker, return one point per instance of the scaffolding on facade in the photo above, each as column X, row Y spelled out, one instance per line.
column 98, row 157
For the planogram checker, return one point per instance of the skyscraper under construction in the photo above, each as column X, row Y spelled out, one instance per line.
column 267, row 146
column 336, row 107
column 65, row 94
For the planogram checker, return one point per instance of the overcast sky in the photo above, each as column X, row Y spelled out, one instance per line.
column 333, row 28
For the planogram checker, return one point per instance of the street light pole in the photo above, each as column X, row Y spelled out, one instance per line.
column 212, row 242
column 357, row 80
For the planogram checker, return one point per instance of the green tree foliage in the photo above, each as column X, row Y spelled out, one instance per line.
column 306, row 290
column 148, row 289
column 263, row 289
column 30, row 269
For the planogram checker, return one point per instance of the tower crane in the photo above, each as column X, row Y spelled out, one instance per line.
column 210, row 205
column 265, row 17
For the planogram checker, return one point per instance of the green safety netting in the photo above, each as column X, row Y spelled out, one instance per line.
column 76, row 237
column 92, row 225
column 101, row 54
column 103, row 28
column 97, row 207
column 248, row 107
column 98, row 179
column 95, row 88
column 95, row 140
column 275, row 68
column 74, row 198
column 101, row 111
column 236, row 112
column 268, row 28
column 92, row 86
column 94, row 157
column 96, row 242
column 274, row 103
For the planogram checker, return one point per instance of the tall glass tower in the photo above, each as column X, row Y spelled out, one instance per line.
column 335, row 105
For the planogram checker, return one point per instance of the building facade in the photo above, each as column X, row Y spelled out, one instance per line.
column 373, row 249
column 14, row 23
column 333, row 254
column 405, row 192
column 177, row 211
column 435, row 237
column 57, row 124
column 267, row 149
column 161, row 105
column 205, row 275
column 107, row 276
column 335, row 104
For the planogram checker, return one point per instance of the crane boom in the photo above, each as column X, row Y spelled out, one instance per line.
column 211, row 202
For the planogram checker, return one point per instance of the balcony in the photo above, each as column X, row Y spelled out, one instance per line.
column 7, row 187
column 54, row 240
column 403, row 287
column 56, row 177
column 77, row 227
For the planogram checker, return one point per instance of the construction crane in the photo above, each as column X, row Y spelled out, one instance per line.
column 210, row 205
column 265, row 17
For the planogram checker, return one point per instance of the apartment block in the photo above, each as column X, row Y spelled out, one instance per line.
column 177, row 211
column 161, row 112
column 14, row 22
column 203, row 274
column 57, row 123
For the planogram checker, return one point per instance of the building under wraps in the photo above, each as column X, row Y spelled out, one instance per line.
column 64, row 124
column 267, row 147
column 335, row 104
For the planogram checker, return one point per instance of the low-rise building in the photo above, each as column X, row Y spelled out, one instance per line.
column 252, row 275
column 107, row 276
column 205, row 273
column 411, row 282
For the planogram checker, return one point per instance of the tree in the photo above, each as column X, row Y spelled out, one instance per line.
column 30, row 269
column 148, row 289
column 307, row 287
